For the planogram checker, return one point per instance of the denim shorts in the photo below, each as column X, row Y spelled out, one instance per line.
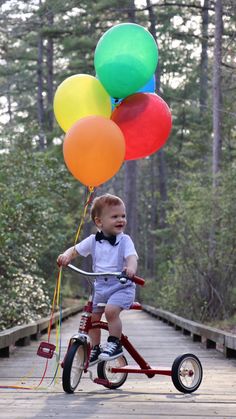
column 111, row 291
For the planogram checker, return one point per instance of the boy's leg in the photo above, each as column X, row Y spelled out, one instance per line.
column 95, row 336
column 113, row 347
column 112, row 314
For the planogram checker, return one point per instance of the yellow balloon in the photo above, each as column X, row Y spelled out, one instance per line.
column 79, row 96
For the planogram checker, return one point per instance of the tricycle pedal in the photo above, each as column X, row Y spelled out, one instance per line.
column 103, row 382
column 46, row 350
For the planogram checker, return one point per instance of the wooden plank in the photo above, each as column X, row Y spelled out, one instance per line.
column 211, row 336
column 139, row 397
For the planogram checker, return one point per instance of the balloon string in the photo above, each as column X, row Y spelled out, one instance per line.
column 89, row 198
column 55, row 302
column 57, row 295
column 58, row 331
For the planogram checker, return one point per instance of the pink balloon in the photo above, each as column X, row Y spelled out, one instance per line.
column 145, row 120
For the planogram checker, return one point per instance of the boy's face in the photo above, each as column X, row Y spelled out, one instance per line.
column 112, row 220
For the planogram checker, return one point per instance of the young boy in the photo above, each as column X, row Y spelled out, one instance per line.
column 112, row 251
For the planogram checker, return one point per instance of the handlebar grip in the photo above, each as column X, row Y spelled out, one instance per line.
column 138, row 280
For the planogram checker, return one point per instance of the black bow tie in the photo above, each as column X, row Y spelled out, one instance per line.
column 100, row 236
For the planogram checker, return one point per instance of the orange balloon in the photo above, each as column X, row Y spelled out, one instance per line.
column 94, row 150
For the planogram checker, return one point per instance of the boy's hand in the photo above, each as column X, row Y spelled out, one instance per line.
column 65, row 258
column 131, row 266
column 129, row 272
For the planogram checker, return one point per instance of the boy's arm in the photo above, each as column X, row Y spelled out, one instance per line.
column 65, row 258
column 131, row 265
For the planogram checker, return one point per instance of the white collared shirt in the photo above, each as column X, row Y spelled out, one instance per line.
column 106, row 255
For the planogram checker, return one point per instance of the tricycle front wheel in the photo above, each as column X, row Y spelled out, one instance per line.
column 73, row 366
column 187, row 373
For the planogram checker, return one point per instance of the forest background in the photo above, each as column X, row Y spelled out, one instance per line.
column 180, row 201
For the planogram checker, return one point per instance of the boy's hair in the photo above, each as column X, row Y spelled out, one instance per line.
column 101, row 201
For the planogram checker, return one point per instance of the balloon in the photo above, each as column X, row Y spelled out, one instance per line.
column 145, row 120
column 94, row 150
column 115, row 102
column 79, row 96
column 150, row 86
column 125, row 59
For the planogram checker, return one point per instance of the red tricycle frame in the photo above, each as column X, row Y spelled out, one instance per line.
column 186, row 371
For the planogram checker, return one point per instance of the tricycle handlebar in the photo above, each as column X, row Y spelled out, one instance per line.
column 136, row 279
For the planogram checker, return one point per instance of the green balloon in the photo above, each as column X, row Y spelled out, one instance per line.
column 125, row 59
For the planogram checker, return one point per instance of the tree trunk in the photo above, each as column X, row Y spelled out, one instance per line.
column 157, row 161
column 204, row 61
column 40, row 108
column 8, row 96
column 131, row 174
column 161, row 156
column 131, row 197
column 217, row 94
column 215, row 307
column 50, row 117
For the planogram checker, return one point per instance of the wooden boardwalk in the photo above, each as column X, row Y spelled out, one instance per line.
column 139, row 397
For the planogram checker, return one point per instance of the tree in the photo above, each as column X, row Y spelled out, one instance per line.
column 44, row 42
column 204, row 60
column 131, row 169
column 41, row 116
column 217, row 94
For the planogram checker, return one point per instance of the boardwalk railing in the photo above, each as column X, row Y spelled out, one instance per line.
column 22, row 335
column 209, row 336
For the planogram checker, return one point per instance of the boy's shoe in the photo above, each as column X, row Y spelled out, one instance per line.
column 112, row 350
column 94, row 354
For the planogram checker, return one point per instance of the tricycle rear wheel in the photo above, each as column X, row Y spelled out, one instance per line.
column 116, row 379
column 187, row 373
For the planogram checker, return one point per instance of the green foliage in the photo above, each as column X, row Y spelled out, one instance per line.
column 197, row 282
column 186, row 235
column 24, row 298
column 37, row 197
